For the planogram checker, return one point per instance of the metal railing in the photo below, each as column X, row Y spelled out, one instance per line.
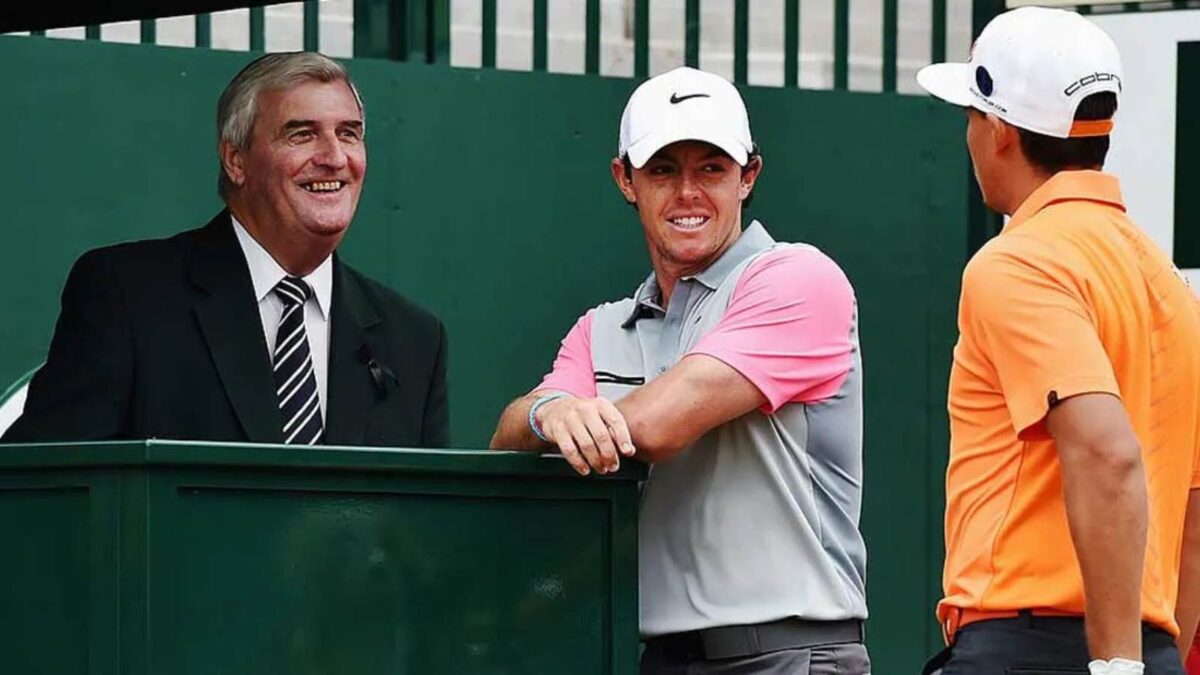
column 420, row 31
column 692, row 33
column 148, row 28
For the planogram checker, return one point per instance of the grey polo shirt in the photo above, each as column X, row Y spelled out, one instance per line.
column 758, row 520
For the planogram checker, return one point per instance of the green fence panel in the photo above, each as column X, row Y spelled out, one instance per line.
column 489, row 200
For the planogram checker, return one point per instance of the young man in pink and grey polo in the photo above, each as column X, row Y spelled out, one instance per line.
column 734, row 370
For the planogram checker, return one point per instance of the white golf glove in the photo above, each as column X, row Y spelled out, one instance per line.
column 1116, row 667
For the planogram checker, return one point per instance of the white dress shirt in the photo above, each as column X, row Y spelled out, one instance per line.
column 265, row 273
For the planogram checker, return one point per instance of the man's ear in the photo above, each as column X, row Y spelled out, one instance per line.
column 232, row 163
column 624, row 182
column 750, row 175
column 1005, row 136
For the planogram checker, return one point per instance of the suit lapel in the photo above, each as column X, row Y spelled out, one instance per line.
column 228, row 316
column 353, row 339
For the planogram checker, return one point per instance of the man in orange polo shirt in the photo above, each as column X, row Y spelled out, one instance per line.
column 1075, row 390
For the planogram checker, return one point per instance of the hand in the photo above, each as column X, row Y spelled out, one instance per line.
column 1116, row 666
column 589, row 432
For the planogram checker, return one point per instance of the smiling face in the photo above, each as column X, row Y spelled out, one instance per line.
column 299, row 177
column 689, row 198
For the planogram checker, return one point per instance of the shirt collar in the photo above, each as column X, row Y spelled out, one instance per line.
column 1094, row 186
column 753, row 240
column 266, row 273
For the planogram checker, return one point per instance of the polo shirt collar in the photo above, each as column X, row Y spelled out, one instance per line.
column 645, row 302
column 753, row 240
column 1093, row 186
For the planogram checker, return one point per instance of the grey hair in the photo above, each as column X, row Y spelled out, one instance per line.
column 238, row 105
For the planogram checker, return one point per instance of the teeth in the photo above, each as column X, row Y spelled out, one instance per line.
column 324, row 186
column 693, row 221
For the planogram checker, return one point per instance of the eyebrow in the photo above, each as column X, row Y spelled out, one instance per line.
column 291, row 125
column 715, row 153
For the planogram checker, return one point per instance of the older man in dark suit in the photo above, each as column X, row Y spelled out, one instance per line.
column 250, row 328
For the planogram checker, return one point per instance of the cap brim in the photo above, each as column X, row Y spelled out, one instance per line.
column 950, row 82
column 641, row 151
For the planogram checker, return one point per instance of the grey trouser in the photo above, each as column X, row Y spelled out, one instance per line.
column 843, row 659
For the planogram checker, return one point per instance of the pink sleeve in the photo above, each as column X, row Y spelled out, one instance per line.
column 572, row 370
column 787, row 327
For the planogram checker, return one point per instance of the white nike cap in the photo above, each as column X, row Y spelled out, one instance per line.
column 1031, row 67
column 684, row 104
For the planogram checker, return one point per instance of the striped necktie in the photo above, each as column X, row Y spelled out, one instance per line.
column 295, row 380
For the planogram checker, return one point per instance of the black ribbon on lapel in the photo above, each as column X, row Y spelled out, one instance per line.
column 380, row 373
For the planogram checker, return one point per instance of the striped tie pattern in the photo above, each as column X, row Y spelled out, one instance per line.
column 295, row 380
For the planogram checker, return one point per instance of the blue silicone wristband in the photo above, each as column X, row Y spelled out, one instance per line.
column 541, row 401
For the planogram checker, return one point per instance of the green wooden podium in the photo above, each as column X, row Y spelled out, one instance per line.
column 174, row 558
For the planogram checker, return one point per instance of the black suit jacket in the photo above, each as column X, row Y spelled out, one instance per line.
column 162, row 339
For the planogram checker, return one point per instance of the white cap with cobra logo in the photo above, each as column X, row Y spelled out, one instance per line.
column 1031, row 67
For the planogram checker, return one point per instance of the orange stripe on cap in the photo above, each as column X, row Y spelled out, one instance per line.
column 1086, row 128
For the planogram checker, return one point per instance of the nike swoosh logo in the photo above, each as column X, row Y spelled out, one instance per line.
column 676, row 98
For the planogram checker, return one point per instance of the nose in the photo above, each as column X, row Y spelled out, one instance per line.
column 330, row 153
column 689, row 187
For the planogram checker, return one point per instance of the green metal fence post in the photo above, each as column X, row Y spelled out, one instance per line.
column 890, row 13
column 641, row 38
column 439, row 40
column 541, row 34
column 489, row 33
column 741, row 41
column 791, row 43
column 938, row 51
column 258, row 29
column 415, row 30
column 592, row 44
column 373, row 29
column 147, row 31
column 841, row 44
column 203, row 29
column 691, row 45
column 312, row 26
